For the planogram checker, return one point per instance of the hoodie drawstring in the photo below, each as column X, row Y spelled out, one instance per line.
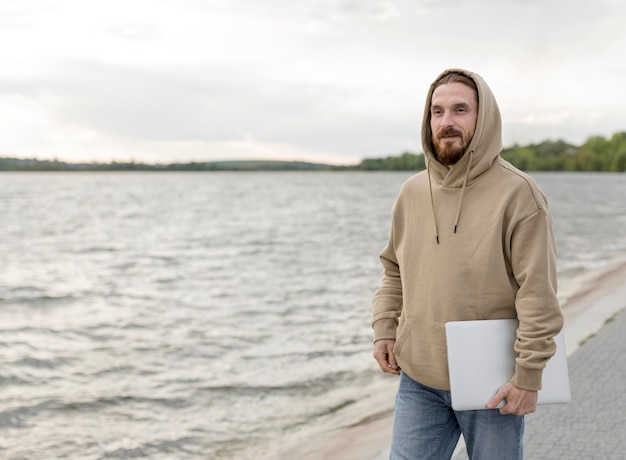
column 458, row 210
column 432, row 201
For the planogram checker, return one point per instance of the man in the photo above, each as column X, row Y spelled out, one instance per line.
column 471, row 238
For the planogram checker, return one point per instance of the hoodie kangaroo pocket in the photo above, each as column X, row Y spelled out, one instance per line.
column 404, row 333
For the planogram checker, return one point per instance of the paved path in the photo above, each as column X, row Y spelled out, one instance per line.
column 593, row 425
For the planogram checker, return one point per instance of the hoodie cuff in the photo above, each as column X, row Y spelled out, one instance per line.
column 385, row 329
column 527, row 379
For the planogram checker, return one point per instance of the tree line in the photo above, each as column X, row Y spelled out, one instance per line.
column 596, row 154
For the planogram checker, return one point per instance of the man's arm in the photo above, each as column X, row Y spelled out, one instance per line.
column 533, row 254
column 386, row 308
column 533, row 257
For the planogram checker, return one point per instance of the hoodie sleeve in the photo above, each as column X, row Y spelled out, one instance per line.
column 533, row 253
column 387, row 301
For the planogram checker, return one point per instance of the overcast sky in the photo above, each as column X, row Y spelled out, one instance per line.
column 319, row 80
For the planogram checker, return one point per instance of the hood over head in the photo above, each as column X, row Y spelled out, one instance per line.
column 485, row 146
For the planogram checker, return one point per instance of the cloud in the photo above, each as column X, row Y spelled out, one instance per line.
column 316, row 78
column 196, row 105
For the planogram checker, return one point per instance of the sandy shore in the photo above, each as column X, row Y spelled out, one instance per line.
column 356, row 436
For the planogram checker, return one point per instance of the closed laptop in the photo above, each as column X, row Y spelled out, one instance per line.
column 481, row 359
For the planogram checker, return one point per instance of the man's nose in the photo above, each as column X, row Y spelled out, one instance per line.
column 446, row 119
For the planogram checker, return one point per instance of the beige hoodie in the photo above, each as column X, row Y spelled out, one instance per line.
column 470, row 242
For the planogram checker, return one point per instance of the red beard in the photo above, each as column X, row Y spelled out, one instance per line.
column 449, row 151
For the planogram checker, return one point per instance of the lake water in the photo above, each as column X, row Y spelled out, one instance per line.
column 210, row 315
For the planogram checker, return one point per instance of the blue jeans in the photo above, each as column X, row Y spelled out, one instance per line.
column 426, row 427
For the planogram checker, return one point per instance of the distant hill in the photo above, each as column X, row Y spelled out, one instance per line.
column 251, row 165
column 18, row 164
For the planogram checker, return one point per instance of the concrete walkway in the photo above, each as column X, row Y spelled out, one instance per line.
column 593, row 424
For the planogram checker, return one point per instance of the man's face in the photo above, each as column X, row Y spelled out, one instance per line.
column 453, row 114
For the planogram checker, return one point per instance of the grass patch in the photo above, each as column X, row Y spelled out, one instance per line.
column 607, row 321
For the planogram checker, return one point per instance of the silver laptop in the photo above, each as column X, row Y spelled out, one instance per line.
column 481, row 359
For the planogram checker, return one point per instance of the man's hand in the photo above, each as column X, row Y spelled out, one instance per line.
column 517, row 401
column 383, row 353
